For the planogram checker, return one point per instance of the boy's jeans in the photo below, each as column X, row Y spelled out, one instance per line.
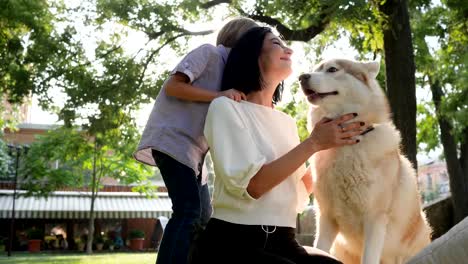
column 190, row 205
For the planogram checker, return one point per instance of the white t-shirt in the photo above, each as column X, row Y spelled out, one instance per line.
column 242, row 138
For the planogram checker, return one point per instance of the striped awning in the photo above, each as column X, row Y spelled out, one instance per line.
column 76, row 205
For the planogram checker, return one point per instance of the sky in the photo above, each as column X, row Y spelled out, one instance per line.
column 134, row 40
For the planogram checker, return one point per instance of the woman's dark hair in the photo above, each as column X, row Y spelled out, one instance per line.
column 242, row 71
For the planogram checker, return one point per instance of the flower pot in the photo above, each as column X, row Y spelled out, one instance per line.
column 34, row 245
column 99, row 246
column 136, row 243
column 81, row 246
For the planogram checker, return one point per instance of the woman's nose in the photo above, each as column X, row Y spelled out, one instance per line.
column 288, row 50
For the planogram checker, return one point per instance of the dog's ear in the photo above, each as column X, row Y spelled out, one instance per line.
column 372, row 68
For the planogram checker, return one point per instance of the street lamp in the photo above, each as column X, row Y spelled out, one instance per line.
column 12, row 222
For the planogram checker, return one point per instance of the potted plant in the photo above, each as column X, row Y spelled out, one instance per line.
column 79, row 243
column 137, row 237
column 109, row 244
column 99, row 240
column 2, row 244
column 35, row 237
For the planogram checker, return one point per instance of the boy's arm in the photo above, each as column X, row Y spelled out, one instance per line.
column 178, row 86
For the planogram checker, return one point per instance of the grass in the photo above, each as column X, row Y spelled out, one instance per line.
column 96, row 258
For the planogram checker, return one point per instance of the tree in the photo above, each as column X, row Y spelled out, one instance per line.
column 67, row 157
column 22, row 22
column 125, row 81
column 400, row 70
column 5, row 160
column 444, row 72
column 24, row 32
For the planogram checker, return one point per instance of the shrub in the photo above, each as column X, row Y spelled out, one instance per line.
column 33, row 234
column 109, row 242
column 99, row 240
column 136, row 233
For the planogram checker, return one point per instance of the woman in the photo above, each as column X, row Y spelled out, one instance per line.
column 261, row 181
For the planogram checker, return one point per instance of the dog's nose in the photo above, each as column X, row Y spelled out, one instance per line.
column 304, row 77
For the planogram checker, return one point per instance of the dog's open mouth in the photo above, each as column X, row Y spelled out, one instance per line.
column 313, row 95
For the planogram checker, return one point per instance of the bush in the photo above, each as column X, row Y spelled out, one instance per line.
column 34, row 234
column 136, row 233
column 99, row 240
column 109, row 242
column 84, row 238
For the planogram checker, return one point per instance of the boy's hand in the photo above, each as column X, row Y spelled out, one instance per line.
column 233, row 94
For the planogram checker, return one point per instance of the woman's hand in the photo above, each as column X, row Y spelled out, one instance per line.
column 331, row 133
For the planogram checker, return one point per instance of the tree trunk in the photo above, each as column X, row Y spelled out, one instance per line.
column 458, row 178
column 89, row 244
column 400, row 70
column 464, row 152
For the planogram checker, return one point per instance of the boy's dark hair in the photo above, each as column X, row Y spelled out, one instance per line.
column 242, row 71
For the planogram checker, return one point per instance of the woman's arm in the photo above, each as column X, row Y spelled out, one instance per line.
column 326, row 134
column 178, row 86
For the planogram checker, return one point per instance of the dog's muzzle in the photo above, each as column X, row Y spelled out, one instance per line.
column 304, row 78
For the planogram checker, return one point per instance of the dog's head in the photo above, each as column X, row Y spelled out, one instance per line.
column 338, row 86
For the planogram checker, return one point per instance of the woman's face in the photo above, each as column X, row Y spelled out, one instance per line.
column 275, row 58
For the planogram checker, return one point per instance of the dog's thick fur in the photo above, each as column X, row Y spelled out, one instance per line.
column 368, row 205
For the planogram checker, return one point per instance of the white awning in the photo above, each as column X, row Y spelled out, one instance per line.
column 76, row 205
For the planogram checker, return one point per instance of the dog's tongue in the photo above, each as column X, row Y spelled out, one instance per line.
column 313, row 96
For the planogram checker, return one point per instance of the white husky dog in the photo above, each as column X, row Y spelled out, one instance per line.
column 367, row 202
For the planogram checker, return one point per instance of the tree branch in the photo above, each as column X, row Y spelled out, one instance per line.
column 150, row 58
column 210, row 4
column 293, row 35
column 305, row 34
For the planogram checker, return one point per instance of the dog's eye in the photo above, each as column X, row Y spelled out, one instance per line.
column 332, row 69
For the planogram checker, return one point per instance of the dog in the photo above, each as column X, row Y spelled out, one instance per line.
column 367, row 202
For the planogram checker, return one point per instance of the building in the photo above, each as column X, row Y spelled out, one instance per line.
column 64, row 215
column 433, row 180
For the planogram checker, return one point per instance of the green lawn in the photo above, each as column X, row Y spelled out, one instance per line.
column 97, row 258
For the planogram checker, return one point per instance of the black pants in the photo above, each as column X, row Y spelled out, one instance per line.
column 191, row 208
column 223, row 242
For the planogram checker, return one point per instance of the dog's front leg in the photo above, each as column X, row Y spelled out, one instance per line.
column 375, row 229
column 327, row 231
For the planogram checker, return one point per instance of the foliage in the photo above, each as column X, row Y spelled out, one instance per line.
column 64, row 157
column 34, row 233
column 109, row 242
column 428, row 129
column 297, row 108
column 99, row 239
column 5, row 160
column 136, row 233
column 441, row 53
column 24, row 37
column 78, row 240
